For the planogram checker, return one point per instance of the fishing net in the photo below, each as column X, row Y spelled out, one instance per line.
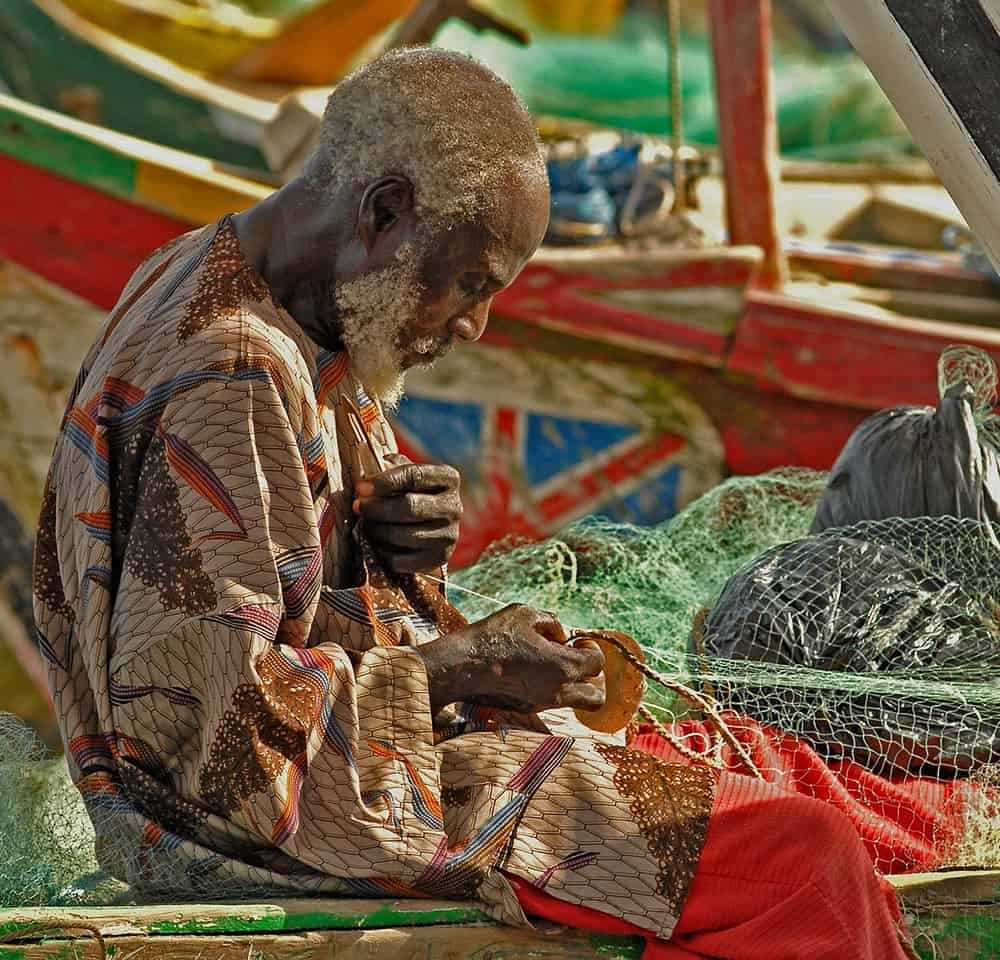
column 828, row 105
column 857, row 663
column 885, row 664
column 46, row 838
column 860, row 664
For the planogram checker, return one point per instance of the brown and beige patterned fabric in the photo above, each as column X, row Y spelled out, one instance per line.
column 242, row 707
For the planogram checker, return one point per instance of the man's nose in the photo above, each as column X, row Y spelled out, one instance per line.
column 472, row 325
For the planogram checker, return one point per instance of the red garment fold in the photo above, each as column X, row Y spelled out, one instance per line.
column 908, row 824
column 788, row 866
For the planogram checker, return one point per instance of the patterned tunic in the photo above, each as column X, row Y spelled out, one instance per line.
column 241, row 704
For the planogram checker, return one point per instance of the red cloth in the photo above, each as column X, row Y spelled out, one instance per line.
column 783, row 876
column 907, row 824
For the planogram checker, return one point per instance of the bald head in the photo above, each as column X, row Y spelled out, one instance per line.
column 451, row 126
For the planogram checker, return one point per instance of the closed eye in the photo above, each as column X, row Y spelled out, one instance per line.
column 474, row 284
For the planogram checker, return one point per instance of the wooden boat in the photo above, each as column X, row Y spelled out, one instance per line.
column 113, row 62
column 954, row 915
column 621, row 380
column 633, row 378
column 312, row 47
column 613, row 380
column 168, row 73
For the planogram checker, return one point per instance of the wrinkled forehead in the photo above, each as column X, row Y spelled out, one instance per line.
column 515, row 216
column 501, row 236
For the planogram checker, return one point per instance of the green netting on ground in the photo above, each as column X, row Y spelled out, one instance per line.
column 828, row 105
column 46, row 838
column 876, row 644
column 926, row 707
column 649, row 582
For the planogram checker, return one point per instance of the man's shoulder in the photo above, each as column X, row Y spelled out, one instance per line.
column 170, row 255
column 251, row 341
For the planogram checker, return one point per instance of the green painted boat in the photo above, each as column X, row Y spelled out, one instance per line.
column 53, row 57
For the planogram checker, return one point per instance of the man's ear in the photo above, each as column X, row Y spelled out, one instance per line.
column 383, row 203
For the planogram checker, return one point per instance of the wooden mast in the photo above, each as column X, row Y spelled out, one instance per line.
column 748, row 139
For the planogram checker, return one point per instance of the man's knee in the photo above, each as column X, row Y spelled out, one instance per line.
column 806, row 838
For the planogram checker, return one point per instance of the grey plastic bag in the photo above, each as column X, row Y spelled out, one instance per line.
column 915, row 462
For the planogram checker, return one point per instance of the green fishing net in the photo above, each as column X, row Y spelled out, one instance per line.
column 924, row 712
column 828, row 105
column 877, row 644
column 649, row 582
column 46, row 838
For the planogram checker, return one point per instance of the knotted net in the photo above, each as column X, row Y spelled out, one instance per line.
column 860, row 664
column 884, row 666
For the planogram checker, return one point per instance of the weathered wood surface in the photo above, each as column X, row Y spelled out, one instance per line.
column 939, row 63
column 921, row 891
column 300, row 929
column 317, row 45
column 277, row 916
column 466, row 942
column 955, row 916
column 53, row 57
column 191, row 35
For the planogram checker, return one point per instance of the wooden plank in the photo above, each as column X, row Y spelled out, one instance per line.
column 179, row 184
column 975, row 935
column 913, row 217
column 920, row 891
column 193, row 36
column 143, row 62
column 946, row 308
column 62, row 146
column 946, row 925
column 466, row 942
column 894, row 269
column 275, row 916
column 52, row 57
column 826, row 171
column 681, row 304
column 80, row 239
column 317, row 46
column 748, row 139
column 851, row 355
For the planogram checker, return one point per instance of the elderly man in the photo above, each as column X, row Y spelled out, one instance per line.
column 255, row 692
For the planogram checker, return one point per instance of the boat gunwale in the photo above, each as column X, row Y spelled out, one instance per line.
column 259, row 107
column 931, row 892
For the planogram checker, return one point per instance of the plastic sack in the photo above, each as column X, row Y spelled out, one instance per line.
column 901, row 601
column 923, row 461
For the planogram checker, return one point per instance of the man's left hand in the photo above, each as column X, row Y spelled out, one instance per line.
column 411, row 514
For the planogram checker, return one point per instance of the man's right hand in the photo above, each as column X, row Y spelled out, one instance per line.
column 517, row 659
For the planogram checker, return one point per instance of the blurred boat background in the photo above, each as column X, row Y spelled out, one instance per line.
column 205, row 77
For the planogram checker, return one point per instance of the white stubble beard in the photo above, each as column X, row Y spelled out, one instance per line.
column 375, row 310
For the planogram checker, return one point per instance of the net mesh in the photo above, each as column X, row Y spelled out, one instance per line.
column 876, row 647
column 46, row 838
